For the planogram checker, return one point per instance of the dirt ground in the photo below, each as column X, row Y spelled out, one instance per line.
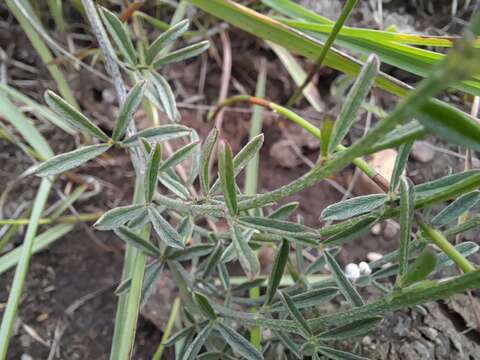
column 68, row 299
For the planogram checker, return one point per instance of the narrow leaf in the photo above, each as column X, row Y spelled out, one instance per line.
column 178, row 156
column 354, row 100
column 310, row 298
column 456, row 209
column 205, row 306
column 74, row 117
column 353, row 207
column 133, row 100
column 247, row 257
column 70, row 160
column 190, row 252
column 165, row 39
column 420, row 269
column 151, row 173
column 354, row 329
column 273, row 226
column 296, row 314
column 205, row 160
column 136, row 241
column 238, row 343
column 174, row 185
column 407, row 206
column 164, row 230
column 346, row 287
column 182, row 54
column 225, row 170
column 352, row 231
column 399, row 136
column 118, row 216
column 120, row 36
column 213, row 260
column 400, row 165
column 326, row 136
column 158, row 134
column 278, row 269
column 160, row 93
column 335, row 354
column 195, row 346
column 284, row 211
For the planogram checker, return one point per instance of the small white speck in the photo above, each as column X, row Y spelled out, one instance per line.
column 352, row 271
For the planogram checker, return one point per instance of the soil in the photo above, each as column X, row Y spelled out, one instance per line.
column 68, row 298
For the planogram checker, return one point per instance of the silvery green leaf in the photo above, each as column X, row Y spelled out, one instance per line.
column 278, row 268
column 420, row 269
column 407, row 207
column 230, row 252
column 161, row 94
column 284, row 211
column 179, row 335
column 204, row 305
column 195, row 346
column 280, row 227
column 247, row 285
column 243, row 157
column 138, row 221
column 190, row 252
column 442, row 185
column 120, row 36
column 401, row 135
column 238, row 343
column 205, row 160
column 461, row 205
column 178, row 156
column 224, row 276
column 196, row 155
column 296, row 314
column 158, row 134
column 164, row 230
column 174, row 185
column 354, row 329
column 467, row 249
column 151, row 278
column 287, row 341
column 67, row 161
column 165, row 39
column 213, row 260
column 400, row 165
column 118, row 216
column 128, row 108
column 72, row 116
column 320, row 262
column 227, row 178
column 185, row 228
column 344, row 284
column 247, row 257
column 151, row 172
column 354, row 101
column 136, row 241
column 335, row 354
column 151, row 273
column 310, row 298
column 182, row 54
column 353, row 207
column 352, row 231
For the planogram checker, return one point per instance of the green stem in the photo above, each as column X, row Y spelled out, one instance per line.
column 347, row 9
column 168, row 329
column 441, row 241
column 70, row 219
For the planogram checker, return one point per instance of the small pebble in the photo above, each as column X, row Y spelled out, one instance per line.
column 26, row 357
column 374, row 256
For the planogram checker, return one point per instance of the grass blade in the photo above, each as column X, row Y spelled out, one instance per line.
column 278, row 269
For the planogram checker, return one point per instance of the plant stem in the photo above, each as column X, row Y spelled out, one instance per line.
column 69, row 219
column 441, row 241
column 168, row 329
column 347, row 9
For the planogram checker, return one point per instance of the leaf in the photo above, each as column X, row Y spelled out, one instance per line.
column 190, row 252
column 238, row 343
column 354, row 329
column 178, row 156
column 407, row 207
column 420, row 269
column 182, row 54
column 72, row 116
column 153, row 273
column 354, row 101
column 158, row 134
column 165, row 39
column 185, row 228
column 164, row 230
column 467, row 249
column 400, row 165
column 181, row 334
column 326, row 137
column 401, row 135
column 205, row 159
column 195, row 346
column 205, row 306
column 296, row 314
column 319, row 263
column 174, row 185
column 140, row 220
column 128, row 108
column 280, row 227
column 195, row 163
column 151, row 173
column 118, row 216
column 284, row 211
column 346, row 287
column 225, row 170
column 247, row 257
column 70, row 160
column 456, row 208
column 120, row 36
column 160, row 93
column 352, row 231
column 335, row 354
column 136, row 241
column 310, row 298
column 213, row 260
column 353, row 207
column 278, row 268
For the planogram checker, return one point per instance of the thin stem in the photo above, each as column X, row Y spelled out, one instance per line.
column 69, row 219
column 168, row 329
column 347, row 9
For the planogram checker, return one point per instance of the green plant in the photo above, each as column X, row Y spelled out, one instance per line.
column 209, row 295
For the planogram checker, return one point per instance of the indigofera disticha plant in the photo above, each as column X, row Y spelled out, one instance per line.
column 216, row 313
